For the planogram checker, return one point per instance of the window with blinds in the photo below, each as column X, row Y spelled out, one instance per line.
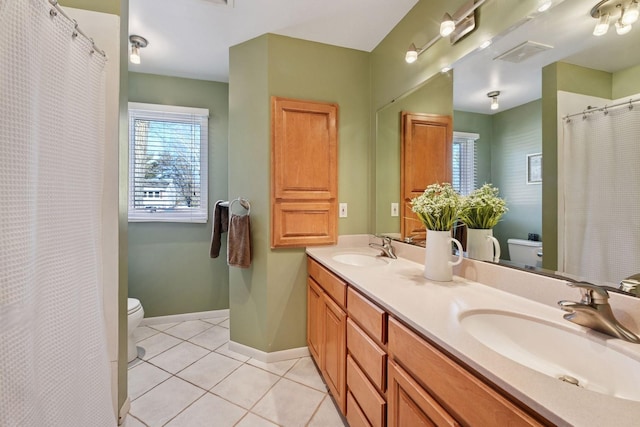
column 464, row 159
column 167, row 163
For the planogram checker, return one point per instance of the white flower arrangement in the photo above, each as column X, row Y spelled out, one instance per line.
column 483, row 208
column 438, row 207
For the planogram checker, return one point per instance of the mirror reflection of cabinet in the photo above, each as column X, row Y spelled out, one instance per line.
column 425, row 159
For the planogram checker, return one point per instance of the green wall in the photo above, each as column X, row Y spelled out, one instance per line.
column 113, row 7
column 268, row 300
column 169, row 266
column 434, row 97
column 626, row 82
column 516, row 133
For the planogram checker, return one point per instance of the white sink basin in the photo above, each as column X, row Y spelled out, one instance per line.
column 556, row 351
column 360, row 259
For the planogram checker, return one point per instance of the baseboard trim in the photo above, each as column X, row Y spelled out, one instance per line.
column 262, row 356
column 124, row 411
column 184, row 317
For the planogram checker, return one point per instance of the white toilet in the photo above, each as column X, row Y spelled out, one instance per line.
column 527, row 252
column 135, row 313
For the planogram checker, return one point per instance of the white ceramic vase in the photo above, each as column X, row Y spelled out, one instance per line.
column 481, row 245
column 437, row 262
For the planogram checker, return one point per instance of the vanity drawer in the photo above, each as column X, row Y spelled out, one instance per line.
column 355, row 416
column 371, row 358
column 365, row 394
column 332, row 285
column 371, row 318
column 462, row 394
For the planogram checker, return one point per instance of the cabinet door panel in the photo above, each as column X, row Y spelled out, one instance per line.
column 371, row 358
column 410, row 404
column 314, row 317
column 334, row 353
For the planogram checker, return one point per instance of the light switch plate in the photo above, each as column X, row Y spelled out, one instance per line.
column 343, row 210
column 394, row 209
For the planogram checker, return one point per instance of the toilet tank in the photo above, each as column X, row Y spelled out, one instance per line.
column 525, row 252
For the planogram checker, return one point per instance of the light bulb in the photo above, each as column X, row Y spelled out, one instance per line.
column 412, row 54
column 631, row 14
column 621, row 28
column 135, row 54
column 494, row 103
column 447, row 25
column 602, row 26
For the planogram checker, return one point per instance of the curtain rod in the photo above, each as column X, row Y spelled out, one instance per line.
column 590, row 109
column 57, row 9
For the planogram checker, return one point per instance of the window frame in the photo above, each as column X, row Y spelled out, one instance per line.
column 160, row 112
column 468, row 137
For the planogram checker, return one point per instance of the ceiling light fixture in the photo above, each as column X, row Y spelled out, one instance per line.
column 447, row 28
column 137, row 42
column 622, row 12
column 447, row 25
column 494, row 99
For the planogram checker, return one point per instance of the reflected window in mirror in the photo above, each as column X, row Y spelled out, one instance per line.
column 465, row 162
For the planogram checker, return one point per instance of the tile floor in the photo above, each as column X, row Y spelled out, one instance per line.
column 185, row 375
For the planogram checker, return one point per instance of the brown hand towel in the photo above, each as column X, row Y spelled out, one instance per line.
column 220, row 225
column 239, row 241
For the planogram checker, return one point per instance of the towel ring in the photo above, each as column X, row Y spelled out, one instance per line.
column 243, row 202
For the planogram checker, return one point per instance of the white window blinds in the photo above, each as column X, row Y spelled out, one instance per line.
column 464, row 162
column 167, row 163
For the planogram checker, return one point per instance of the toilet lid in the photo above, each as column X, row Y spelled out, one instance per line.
column 133, row 305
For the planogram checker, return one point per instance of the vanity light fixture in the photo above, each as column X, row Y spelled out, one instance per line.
column 137, row 42
column 494, row 99
column 623, row 12
column 447, row 26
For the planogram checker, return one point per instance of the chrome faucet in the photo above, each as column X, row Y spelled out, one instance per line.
column 594, row 311
column 385, row 247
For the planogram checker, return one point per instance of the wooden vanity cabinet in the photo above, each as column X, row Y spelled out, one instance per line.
column 366, row 360
column 326, row 328
column 427, row 387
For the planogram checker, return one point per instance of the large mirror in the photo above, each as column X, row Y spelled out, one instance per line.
column 510, row 138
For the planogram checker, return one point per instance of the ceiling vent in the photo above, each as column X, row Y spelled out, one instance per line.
column 523, row 51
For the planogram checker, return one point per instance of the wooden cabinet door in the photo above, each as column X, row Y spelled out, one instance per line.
column 425, row 159
column 410, row 405
column 334, row 351
column 315, row 305
column 304, row 173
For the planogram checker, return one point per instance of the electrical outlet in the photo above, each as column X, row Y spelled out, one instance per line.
column 394, row 209
column 343, row 210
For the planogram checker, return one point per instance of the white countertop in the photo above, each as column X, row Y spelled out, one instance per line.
column 433, row 309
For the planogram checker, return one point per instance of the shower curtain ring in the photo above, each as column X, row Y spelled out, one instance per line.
column 630, row 105
column 606, row 112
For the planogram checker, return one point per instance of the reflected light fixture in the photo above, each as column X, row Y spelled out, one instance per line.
column 544, row 6
column 485, row 44
column 447, row 26
column 137, row 42
column 623, row 12
column 412, row 54
column 494, row 99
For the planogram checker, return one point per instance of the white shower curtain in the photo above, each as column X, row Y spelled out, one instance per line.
column 602, row 195
column 53, row 360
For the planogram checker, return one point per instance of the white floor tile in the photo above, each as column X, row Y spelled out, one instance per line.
column 209, row 370
column 179, row 357
column 289, row 403
column 245, row 386
column 328, row 415
column 252, row 420
column 224, row 324
column 215, row 320
column 143, row 378
column 134, row 362
column 155, row 345
column 207, row 411
column 164, row 402
column 278, row 368
column 131, row 421
column 305, row 372
column 143, row 332
column 224, row 349
column 212, row 338
column 162, row 326
column 188, row 329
